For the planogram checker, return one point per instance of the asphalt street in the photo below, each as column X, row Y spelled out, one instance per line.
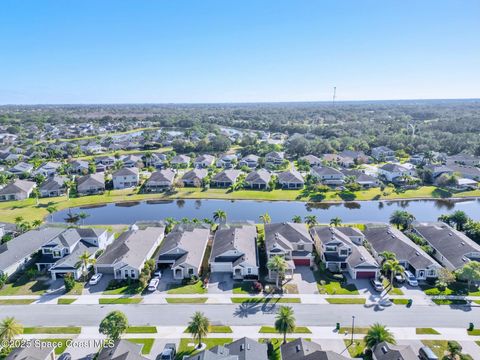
column 243, row 315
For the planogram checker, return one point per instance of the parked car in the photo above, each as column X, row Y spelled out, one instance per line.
column 169, row 352
column 411, row 279
column 377, row 284
column 425, row 353
column 152, row 286
column 399, row 278
column 158, row 274
column 95, row 279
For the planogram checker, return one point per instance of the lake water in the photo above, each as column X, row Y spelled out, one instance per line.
column 238, row 210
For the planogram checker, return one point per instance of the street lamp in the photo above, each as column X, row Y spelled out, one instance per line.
column 353, row 328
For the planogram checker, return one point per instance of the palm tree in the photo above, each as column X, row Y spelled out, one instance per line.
column 36, row 195
column 9, row 329
column 285, row 321
column 198, row 327
column 265, row 218
column 387, row 255
column 93, row 262
column 72, row 218
column 85, row 259
column 393, row 267
column 51, row 209
column 36, row 223
column 83, row 215
column 18, row 220
column 69, row 185
column 311, row 220
column 220, row 216
column 336, row 221
column 297, row 219
column 376, row 334
column 278, row 265
column 402, row 219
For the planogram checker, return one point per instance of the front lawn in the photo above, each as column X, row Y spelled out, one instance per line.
column 66, row 301
column 400, row 301
column 439, row 347
column 449, row 302
column 426, row 331
column 52, row 330
column 216, row 329
column 77, row 289
column 147, row 344
column 121, row 300
column 24, row 285
column 357, row 349
column 200, row 300
column 122, row 287
column 244, row 288
column 474, row 332
column 17, row 302
column 346, row 301
column 457, row 288
column 392, row 290
column 357, row 330
column 141, row 330
column 258, row 300
column 185, row 349
column 272, row 330
column 196, row 288
column 327, row 284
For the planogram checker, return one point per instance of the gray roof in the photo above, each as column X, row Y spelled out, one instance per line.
column 326, row 171
column 239, row 238
column 387, row 238
column 311, row 159
column 301, row 349
column 126, row 172
column 132, row 247
column 97, row 179
column 122, row 350
column 290, row 176
column 181, row 159
column 205, row 158
column 386, row 351
column 284, row 234
column 194, row 174
column 18, row 186
column 242, row 349
column 161, row 176
column 25, row 245
column 31, row 353
column 260, row 176
column 230, row 175
column 453, row 245
column 391, row 167
column 54, row 183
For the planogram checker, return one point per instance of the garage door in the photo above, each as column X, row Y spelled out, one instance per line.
column 221, row 267
column 301, row 262
column 365, row 274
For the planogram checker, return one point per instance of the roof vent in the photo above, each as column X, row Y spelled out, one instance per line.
column 417, row 253
column 450, row 234
column 242, row 347
column 462, row 243
column 298, row 348
column 384, row 350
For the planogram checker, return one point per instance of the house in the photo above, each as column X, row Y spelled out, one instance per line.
column 386, row 351
column 451, row 248
column 275, row 158
column 91, row 148
column 19, row 252
column 203, row 161
column 126, row 256
column 383, row 237
column 463, row 159
column 180, row 161
column 121, row 350
column 104, row 163
column 48, row 169
column 132, row 161
column 439, row 170
column 91, row 184
column 259, row 179
column 61, row 255
column 159, row 181
column 227, row 161
column 466, row 171
column 79, row 167
column 44, row 352
column 395, row 173
column 290, row 179
column 21, row 168
column 125, row 178
column 241, row 349
column 364, row 180
column 194, row 177
column 183, row 250
column 312, row 160
column 328, row 175
column 342, row 250
column 17, row 190
column 234, row 251
column 54, row 186
column 383, row 153
column 250, row 161
column 352, row 157
column 154, row 160
column 291, row 241
column 302, row 349
column 225, row 178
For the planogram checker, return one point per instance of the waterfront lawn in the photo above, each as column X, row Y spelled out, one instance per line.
column 66, row 301
column 357, row 349
column 196, row 288
column 346, row 301
column 426, row 331
column 187, row 346
column 147, row 344
column 258, row 300
column 121, row 300
column 439, row 347
column 52, row 330
column 272, row 330
column 327, row 284
column 141, row 330
column 200, row 300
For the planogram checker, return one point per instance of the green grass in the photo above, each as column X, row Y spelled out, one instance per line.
column 216, row 329
column 474, row 332
column 477, row 342
column 357, row 330
column 52, row 330
column 66, row 301
column 326, row 284
column 196, row 288
column 439, row 347
column 272, row 330
column 16, row 301
column 400, row 301
column 258, row 300
column 128, row 289
column 456, row 288
column 391, row 290
column 200, row 300
column 346, row 301
column 141, row 330
column 449, row 302
column 59, row 344
column 426, row 331
column 117, row 301
column 243, row 288
column 357, row 349
column 24, row 286
column 185, row 350
column 77, row 289
column 147, row 344
column 276, row 343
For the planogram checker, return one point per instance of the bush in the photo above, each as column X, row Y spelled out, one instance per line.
column 257, row 287
column 69, row 282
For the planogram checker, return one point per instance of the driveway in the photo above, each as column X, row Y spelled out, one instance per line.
column 220, row 283
column 166, row 280
column 305, row 281
column 100, row 287
column 158, row 346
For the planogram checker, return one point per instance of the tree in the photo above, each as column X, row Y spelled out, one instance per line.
column 285, row 321
column 392, row 267
column 444, row 278
column 69, row 185
column 198, row 326
column 85, row 259
column 402, row 219
column 36, row 223
column 278, row 265
column 69, row 282
column 297, row 219
column 469, row 272
column 51, row 209
column 376, row 334
column 82, row 216
column 336, row 221
column 387, row 255
column 72, row 218
column 265, row 218
column 311, row 220
column 454, row 350
column 220, row 216
column 9, row 329
column 3, row 280
column 114, row 325
column 460, row 219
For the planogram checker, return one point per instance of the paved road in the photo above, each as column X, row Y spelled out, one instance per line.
column 238, row 315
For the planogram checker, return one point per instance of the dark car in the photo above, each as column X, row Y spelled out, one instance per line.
column 425, row 353
column 169, row 352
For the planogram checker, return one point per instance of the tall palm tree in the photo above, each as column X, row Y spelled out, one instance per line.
column 297, row 219
column 311, row 220
column 198, row 327
column 265, row 218
column 285, row 321
column 69, row 185
column 220, row 216
column 376, row 334
column 278, row 265
column 387, row 255
column 9, row 329
column 402, row 219
column 336, row 221
column 85, row 259
column 82, row 216
column 51, row 209
column 393, row 267
column 36, row 223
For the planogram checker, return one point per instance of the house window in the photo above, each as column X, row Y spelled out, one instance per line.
column 300, row 247
column 249, row 271
column 344, row 252
column 330, row 248
column 190, row 271
column 57, row 254
column 132, row 273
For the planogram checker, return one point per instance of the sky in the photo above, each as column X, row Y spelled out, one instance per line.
column 203, row 51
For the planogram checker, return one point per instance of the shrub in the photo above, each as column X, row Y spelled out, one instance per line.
column 257, row 286
column 69, row 282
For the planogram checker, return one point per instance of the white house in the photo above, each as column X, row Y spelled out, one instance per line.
column 126, row 178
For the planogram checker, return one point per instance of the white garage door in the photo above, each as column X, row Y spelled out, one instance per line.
column 221, row 267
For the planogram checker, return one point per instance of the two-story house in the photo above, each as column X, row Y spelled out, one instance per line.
column 126, row 178
column 383, row 153
column 328, row 175
column 159, row 181
column 395, row 172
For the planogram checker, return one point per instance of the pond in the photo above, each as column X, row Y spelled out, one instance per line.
column 279, row 211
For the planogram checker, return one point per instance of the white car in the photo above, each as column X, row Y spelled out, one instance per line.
column 411, row 279
column 158, row 274
column 153, row 284
column 95, row 279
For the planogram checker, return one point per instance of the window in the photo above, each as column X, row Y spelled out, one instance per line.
column 132, row 272
column 330, row 248
column 300, row 247
column 344, row 252
column 249, row 271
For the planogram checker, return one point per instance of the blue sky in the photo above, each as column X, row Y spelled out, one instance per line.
column 152, row 51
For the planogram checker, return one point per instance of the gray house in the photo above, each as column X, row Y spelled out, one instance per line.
column 291, row 179
column 91, row 184
column 328, row 175
column 226, row 178
column 386, row 351
column 54, row 186
column 301, row 349
column 17, row 190
column 159, row 181
column 259, row 179
column 122, row 350
column 32, row 353
column 194, row 177
column 241, row 349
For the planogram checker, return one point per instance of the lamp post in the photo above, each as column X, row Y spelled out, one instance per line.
column 353, row 328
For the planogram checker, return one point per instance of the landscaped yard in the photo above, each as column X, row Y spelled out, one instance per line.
column 200, row 300
column 453, row 289
column 52, row 330
column 327, row 284
column 474, row 332
column 23, row 285
column 217, row 329
column 400, row 301
column 346, row 301
column 271, row 330
column 123, row 288
column 257, row 300
column 426, row 331
column 121, row 300
column 357, row 349
column 196, row 288
column 147, row 344
column 439, row 347
column 77, row 289
column 244, row 287
column 395, row 290
column 185, row 347
column 141, row 330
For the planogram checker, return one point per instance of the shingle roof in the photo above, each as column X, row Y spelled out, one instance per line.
column 31, row 353
column 126, row 172
column 229, row 175
column 386, row 351
column 284, row 234
column 122, row 350
column 161, row 176
column 240, row 238
column 260, row 176
column 96, row 179
column 195, row 173
column 326, row 171
column 17, row 186
column 242, row 349
column 54, row 183
column 290, row 176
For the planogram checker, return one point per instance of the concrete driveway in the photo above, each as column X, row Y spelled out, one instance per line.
column 166, row 280
column 305, row 280
column 220, row 283
column 100, row 287
column 158, row 346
